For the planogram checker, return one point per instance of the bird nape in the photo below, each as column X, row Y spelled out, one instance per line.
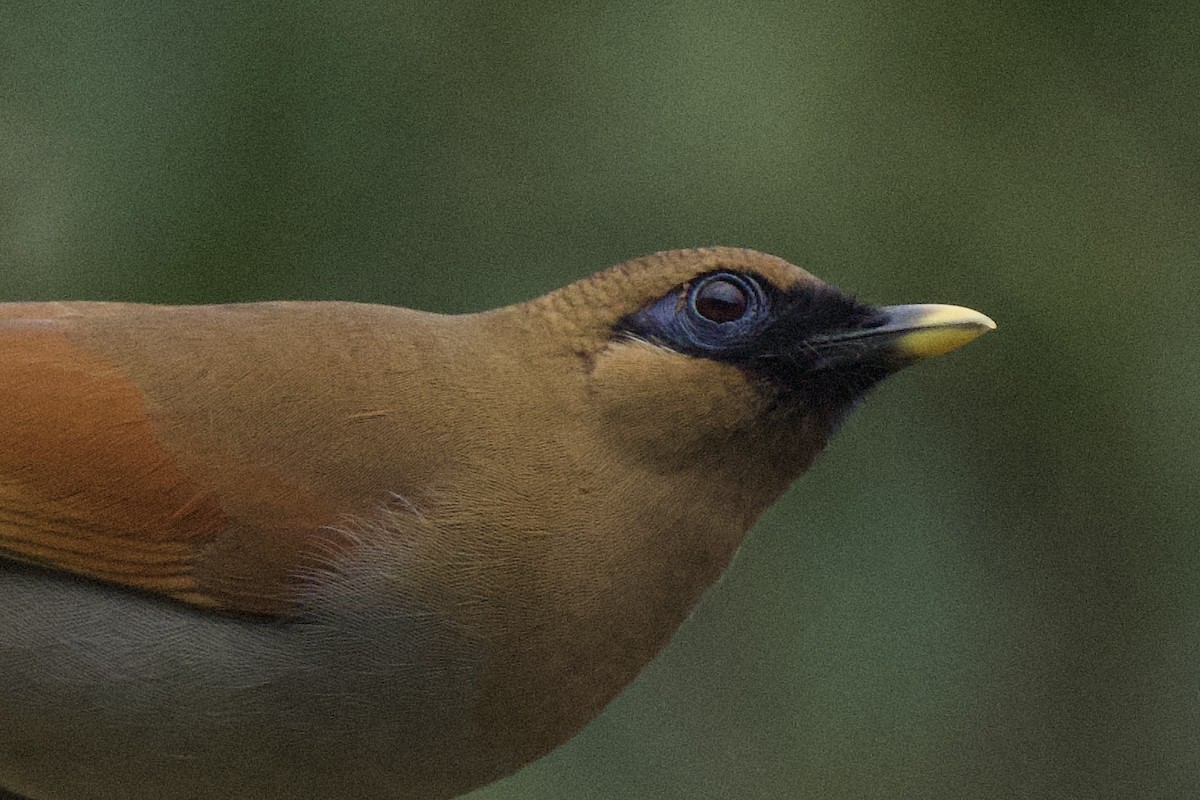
column 316, row 549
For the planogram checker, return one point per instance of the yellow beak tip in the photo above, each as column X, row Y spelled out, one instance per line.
column 934, row 329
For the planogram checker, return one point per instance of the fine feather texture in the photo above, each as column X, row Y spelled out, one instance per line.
column 343, row 550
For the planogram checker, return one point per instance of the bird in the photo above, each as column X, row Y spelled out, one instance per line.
column 342, row 550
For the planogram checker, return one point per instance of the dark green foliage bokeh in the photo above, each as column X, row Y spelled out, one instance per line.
column 989, row 586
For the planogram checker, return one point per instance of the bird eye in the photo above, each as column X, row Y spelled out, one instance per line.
column 712, row 314
column 720, row 300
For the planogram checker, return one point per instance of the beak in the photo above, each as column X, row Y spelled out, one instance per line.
column 913, row 333
column 906, row 334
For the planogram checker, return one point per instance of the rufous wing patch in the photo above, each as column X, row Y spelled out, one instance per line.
column 85, row 485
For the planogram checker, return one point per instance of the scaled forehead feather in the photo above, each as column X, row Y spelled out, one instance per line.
column 598, row 301
column 651, row 276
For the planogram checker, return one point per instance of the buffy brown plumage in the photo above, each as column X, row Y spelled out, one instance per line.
column 335, row 550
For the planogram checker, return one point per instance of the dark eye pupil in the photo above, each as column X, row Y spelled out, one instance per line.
column 721, row 301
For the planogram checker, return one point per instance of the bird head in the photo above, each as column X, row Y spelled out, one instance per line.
column 734, row 363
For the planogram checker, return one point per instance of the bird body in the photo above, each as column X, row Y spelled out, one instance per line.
column 341, row 550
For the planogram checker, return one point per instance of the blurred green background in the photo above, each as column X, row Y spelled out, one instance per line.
column 990, row 585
